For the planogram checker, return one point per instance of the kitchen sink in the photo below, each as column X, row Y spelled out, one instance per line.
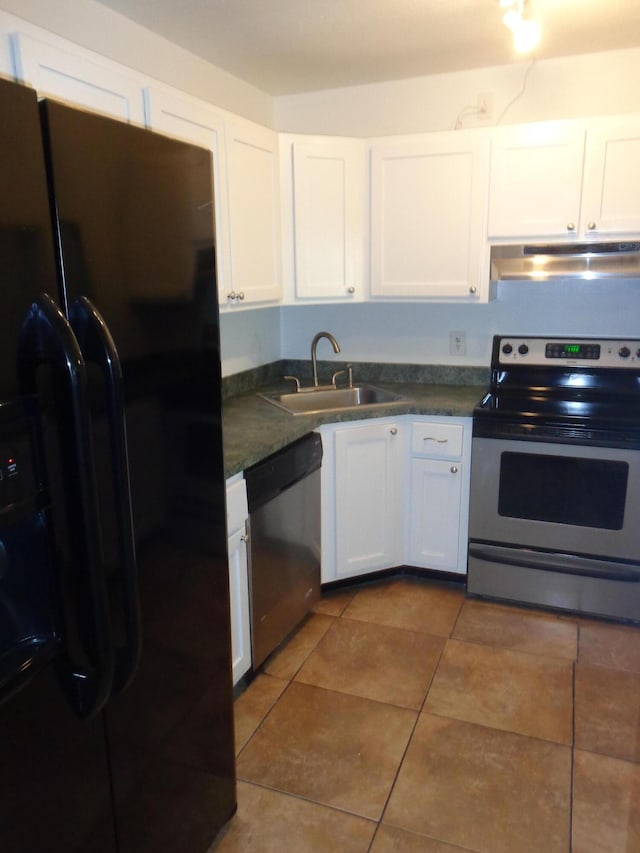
column 312, row 401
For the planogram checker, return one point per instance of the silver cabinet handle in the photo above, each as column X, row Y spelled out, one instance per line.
column 393, row 431
column 571, row 226
column 351, row 290
column 591, row 226
column 244, row 537
column 454, row 469
column 473, row 289
column 241, row 295
column 437, row 440
column 232, row 296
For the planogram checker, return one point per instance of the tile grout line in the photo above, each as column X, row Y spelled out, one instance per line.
column 573, row 739
column 413, row 728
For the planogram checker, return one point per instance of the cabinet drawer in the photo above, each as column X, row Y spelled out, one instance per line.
column 436, row 439
column 237, row 511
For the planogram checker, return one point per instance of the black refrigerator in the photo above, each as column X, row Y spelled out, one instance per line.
column 116, row 715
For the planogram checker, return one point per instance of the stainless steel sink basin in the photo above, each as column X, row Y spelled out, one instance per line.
column 314, row 401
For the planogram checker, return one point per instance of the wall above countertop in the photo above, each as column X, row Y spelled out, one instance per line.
column 419, row 333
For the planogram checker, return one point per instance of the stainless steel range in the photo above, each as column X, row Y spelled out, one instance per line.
column 555, row 476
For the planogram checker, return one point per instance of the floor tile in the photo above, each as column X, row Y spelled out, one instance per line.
column 483, row 789
column 335, row 749
column 333, row 603
column 606, row 805
column 409, row 603
column 287, row 660
column 373, row 661
column 251, row 707
column 507, row 690
column 390, row 839
column 606, row 644
column 516, row 628
column 607, row 712
column 270, row 822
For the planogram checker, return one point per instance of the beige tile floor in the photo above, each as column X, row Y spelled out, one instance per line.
column 404, row 717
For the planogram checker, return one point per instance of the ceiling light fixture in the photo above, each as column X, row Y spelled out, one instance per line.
column 526, row 33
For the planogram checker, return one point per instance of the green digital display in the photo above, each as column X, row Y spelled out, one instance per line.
column 557, row 349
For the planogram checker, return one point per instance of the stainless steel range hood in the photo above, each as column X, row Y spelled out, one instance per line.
column 546, row 262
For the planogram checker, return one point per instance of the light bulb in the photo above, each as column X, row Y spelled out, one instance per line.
column 526, row 36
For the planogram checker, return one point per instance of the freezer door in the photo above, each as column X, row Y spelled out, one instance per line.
column 54, row 773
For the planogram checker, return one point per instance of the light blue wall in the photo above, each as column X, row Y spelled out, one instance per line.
column 249, row 338
column 419, row 332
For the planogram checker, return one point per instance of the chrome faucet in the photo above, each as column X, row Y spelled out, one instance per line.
column 314, row 354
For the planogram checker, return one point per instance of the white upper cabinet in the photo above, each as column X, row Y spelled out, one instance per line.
column 536, row 180
column 78, row 76
column 428, row 208
column 328, row 192
column 611, row 187
column 178, row 115
column 572, row 180
column 254, row 213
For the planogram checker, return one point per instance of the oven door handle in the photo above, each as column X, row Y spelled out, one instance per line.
column 569, row 564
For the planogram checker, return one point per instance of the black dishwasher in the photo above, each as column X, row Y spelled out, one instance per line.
column 283, row 493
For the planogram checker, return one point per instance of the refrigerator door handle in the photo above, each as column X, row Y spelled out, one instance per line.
column 47, row 339
column 97, row 346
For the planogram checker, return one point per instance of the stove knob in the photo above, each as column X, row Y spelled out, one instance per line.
column 507, row 349
column 624, row 352
column 523, row 349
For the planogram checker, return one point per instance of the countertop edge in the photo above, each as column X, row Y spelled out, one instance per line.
column 254, row 428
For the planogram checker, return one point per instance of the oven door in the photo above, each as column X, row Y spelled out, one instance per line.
column 556, row 524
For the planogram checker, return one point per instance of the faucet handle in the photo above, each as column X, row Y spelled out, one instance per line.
column 335, row 376
column 349, row 368
column 294, row 379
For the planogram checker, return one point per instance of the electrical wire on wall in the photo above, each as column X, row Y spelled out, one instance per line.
column 473, row 110
column 469, row 110
column 525, row 80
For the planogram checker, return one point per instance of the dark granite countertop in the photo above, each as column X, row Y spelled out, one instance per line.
column 254, row 428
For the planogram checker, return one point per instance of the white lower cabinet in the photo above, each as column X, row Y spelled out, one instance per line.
column 237, row 515
column 395, row 492
column 361, row 497
column 439, row 494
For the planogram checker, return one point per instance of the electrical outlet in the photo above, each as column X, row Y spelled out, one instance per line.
column 457, row 343
column 485, row 106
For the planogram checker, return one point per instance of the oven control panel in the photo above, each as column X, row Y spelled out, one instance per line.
column 567, row 351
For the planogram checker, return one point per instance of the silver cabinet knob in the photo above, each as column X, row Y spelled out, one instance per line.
column 232, row 296
column 393, row 431
column 241, row 295
column 473, row 290
column 244, row 537
column 571, row 226
column 351, row 290
column 591, row 226
column 454, row 469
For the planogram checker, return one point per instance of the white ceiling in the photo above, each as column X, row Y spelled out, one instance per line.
column 288, row 46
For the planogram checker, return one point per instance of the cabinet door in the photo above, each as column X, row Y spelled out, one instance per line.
column 328, row 189
column 368, row 516
column 254, row 213
column 536, row 179
column 612, row 179
column 239, row 601
column 96, row 84
column 428, row 205
column 194, row 121
column 436, row 495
